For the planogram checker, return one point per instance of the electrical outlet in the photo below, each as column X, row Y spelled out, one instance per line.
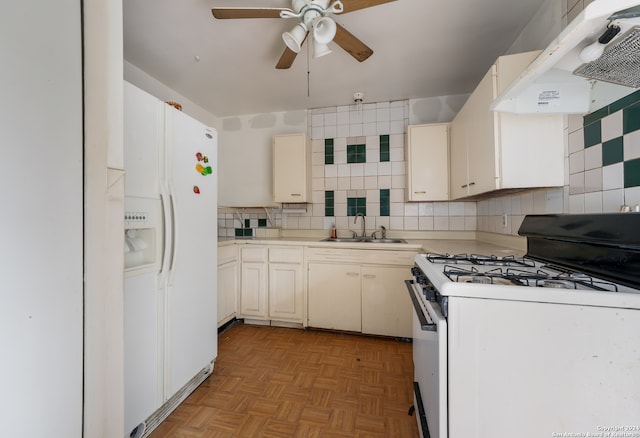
column 505, row 220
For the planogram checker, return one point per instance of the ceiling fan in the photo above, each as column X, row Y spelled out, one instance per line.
column 315, row 17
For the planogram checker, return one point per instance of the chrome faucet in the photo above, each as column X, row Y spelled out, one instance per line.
column 383, row 232
column 363, row 222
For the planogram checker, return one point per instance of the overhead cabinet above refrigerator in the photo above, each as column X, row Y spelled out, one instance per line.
column 170, row 288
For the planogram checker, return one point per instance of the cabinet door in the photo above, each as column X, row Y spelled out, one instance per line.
column 334, row 296
column 227, row 287
column 291, row 178
column 428, row 162
column 285, row 292
column 386, row 306
column 459, row 172
column 253, row 290
column 482, row 155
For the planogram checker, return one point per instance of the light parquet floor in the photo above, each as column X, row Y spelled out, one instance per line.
column 276, row 382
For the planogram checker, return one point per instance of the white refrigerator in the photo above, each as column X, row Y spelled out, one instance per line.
column 170, row 257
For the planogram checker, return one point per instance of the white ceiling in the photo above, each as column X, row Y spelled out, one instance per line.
column 422, row 48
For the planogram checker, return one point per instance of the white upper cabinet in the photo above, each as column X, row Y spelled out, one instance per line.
column 291, row 168
column 428, row 162
column 493, row 151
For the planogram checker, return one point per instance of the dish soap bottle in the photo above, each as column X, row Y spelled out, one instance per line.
column 334, row 232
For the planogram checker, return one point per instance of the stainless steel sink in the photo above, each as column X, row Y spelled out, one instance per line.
column 362, row 240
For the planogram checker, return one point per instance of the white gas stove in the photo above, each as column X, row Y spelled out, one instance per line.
column 531, row 346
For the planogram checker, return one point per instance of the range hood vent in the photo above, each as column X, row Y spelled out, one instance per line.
column 559, row 82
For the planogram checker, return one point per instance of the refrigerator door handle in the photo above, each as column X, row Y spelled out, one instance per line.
column 164, row 234
column 173, row 234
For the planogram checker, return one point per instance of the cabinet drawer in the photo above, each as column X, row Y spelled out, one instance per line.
column 359, row 256
column 253, row 254
column 285, row 255
column 227, row 253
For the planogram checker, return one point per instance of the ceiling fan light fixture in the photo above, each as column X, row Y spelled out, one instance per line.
column 320, row 49
column 295, row 37
column 324, row 30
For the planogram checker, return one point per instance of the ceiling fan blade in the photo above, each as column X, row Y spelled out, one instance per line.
column 248, row 12
column 287, row 58
column 352, row 45
column 354, row 5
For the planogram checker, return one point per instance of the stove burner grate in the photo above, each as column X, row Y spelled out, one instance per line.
column 484, row 260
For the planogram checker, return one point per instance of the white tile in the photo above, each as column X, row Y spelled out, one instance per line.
column 370, row 182
column 370, row 169
column 441, row 209
column 396, row 209
column 343, row 131
column 357, row 182
column 383, row 113
column 411, row 223
column 483, row 208
column 344, row 183
column 540, row 201
column 397, row 127
column 576, row 141
column 355, row 116
column 369, row 115
column 396, row 195
column 632, row 196
column 441, row 223
column 456, row 223
column 632, row 145
column 317, row 146
column 613, row 176
column 576, row 162
column 611, row 126
column 372, row 142
column 382, row 127
column 340, row 144
column 396, row 112
column 330, row 119
column 340, row 209
column 317, row 120
column 317, row 197
column 344, row 170
column 369, row 128
column 331, row 183
column 555, row 200
column 396, row 140
column 317, row 210
column 425, row 209
column 593, row 202
column 317, row 171
column 373, row 208
column 396, row 154
column 355, row 129
column 576, row 183
column 384, row 181
column 330, row 131
column 612, row 200
column 398, row 181
column 411, row 209
column 330, row 171
column 470, row 209
column 382, row 221
column 396, row 223
column 576, row 204
column 317, row 184
column 593, row 180
column 317, row 158
column 357, row 169
column 456, row 209
column 425, row 223
column 470, row 223
column 340, row 196
column 593, row 157
column 384, row 168
column 574, row 122
column 317, row 132
column 398, row 168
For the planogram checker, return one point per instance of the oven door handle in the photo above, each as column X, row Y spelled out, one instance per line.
column 424, row 324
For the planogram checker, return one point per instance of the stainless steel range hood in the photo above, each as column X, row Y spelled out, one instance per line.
column 550, row 86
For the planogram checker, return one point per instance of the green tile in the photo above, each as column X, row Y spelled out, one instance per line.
column 247, row 223
column 356, row 205
column 239, row 232
column 593, row 134
column 612, row 151
column 385, row 202
column 328, row 151
column 329, row 199
column 262, row 222
column 624, row 102
column 632, row 173
column 356, row 153
column 631, row 118
column 351, row 153
column 384, row 148
column 595, row 116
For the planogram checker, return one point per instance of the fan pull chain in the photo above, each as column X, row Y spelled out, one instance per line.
column 308, row 71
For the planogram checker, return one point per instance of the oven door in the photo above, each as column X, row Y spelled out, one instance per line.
column 430, row 365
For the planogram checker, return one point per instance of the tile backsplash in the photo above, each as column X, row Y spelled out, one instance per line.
column 602, row 163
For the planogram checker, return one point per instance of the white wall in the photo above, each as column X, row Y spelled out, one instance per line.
column 41, row 222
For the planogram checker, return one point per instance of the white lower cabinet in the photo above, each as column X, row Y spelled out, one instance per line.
column 334, row 296
column 360, row 290
column 272, row 285
column 228, row 276
column 386, row 305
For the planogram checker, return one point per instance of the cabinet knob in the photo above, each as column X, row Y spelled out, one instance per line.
column 472, row 184
column 422, row 192
column 296, row 194
column 464, row 186
column 352, row 274
column 369, row 276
